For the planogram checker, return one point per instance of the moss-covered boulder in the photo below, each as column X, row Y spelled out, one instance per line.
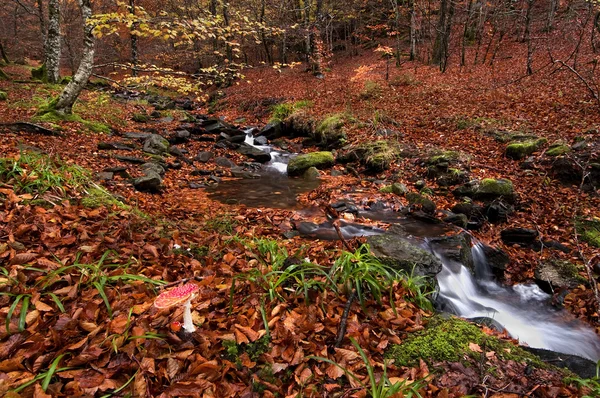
column 520, row 150
column 299, row 124
column 554, row 274
column 312, row 173
column 375, row 156
column 331, row 131
column 589, row 230
column 415, row 199
column 3, row 96
column 492, row 189
column 140, row 117
column 558, row 149
column 443, row 157
column 40, row 73
column 321, row 160
column 453, row 340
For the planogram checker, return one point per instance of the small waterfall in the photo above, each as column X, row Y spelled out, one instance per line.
column 279, row 160
column 523, row 310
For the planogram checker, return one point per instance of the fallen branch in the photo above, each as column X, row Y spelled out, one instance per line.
column 27, row 127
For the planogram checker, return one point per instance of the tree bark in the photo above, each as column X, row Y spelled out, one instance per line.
column 413, row 30
column 551, row 15
column 64, row 103
column 53, row 47
column 134, row 41
column 43, row 29
column 3, row 54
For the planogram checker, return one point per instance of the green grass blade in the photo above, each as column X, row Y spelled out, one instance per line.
column 118, row 390
column 57, row 301
column 102, row 293
column 51, row 372
column 11, row 310
column 23, row 314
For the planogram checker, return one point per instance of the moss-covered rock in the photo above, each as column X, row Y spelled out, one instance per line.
column 376, row 156
column 280, row 112
column 415, row 199
column 312, row 173
column 558, row 149
column 40, row 73
column 3, row 96
column 491, row 189
column 519, row 150
column 298, row 165
column 140, row 117
column 443, row 157
column 299, row 124
column 589, row 230
column 331, row 131
column 449, row 340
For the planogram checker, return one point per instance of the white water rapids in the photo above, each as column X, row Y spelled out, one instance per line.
column 523, row 310
column 279, row 160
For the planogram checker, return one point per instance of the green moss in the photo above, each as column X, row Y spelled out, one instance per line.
column 449, row 339
column 370, row 90
column 519, row 150
column 558, row 149
column 40, row 73
column 97, row 196
column 66, row 80
column 376, row 156
column 233, row 351
column 298, row 165
column 500, row 187
column 3, row 75
column 386, row 189
column 140, row 117
column 3, row 96
column 280, row 112
column 331, row 130
column 589, row 230
column 444, row 157
column 52, row 116
column 96, row 127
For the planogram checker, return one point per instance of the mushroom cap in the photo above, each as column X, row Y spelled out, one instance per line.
column 175, row 296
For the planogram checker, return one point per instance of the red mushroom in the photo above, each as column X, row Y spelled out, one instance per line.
column 174, row 297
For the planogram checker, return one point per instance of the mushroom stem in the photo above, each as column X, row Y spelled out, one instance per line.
column 188, row 324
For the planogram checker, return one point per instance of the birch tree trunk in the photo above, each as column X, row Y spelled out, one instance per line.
column 64, row 103
column 53, row 47
column 134, row 41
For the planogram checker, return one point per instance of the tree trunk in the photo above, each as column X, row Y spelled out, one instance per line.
column 529, row 67
column 413, row 30
column 526, row 32
column 43, row 29
column 3, row 54
column 551, row 14
column 397, row 22
column 465, row 33
column 439, row 47
column 53, row 47
column 134, row 41
column 67, row 98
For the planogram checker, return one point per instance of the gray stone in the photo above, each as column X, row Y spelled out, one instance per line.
column 254, row 153
column 115, row 146
column 399, row 189
column 260, row 140
column 224, row 162
column 298, row 165
column 460, row 220
column 149, row 183
column 395, row 250
column 238, row 172
column 150, row 167
column 311, row 174
column 156, row 145
column 204, row 157
column 552, row 275
column 105, row 175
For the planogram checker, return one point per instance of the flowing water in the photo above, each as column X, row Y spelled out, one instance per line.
column 525, row 311
column 273, row 188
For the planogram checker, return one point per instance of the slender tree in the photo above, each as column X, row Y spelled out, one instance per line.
column 53, row 46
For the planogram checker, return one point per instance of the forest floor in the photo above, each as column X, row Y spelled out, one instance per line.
column 80, row 270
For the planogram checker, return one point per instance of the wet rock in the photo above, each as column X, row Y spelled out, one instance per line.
column 238, row 172
column 415, row 199
column 271, row 131
column 290, row 234
column 197, row 185
column 118, row 170
column 204, row 157
column 224, row 162
column 497, row 259
column 254, row 153
column 519, row 236
column 582, row 367
column 311, row 174
column 200, row 172
column 455, row 247
column 420, row 184
column 552, row 275
column 394, row 249
column 156, row 145
column 260, row 140
column 458, row 219
column 298, row 165
column 115, row 146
